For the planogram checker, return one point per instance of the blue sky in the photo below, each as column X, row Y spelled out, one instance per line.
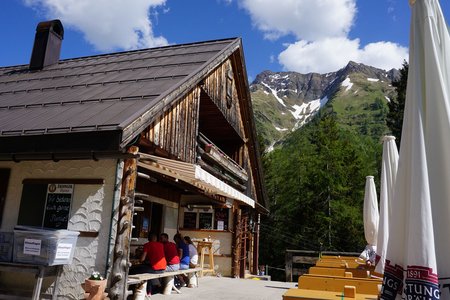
column 278, row 35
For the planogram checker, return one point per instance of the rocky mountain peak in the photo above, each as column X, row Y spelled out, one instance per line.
column 285, row 101
column 370, row 72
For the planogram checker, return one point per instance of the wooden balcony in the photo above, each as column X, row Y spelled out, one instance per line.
column 216, row 162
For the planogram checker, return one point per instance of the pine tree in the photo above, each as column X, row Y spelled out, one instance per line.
column 315, row 183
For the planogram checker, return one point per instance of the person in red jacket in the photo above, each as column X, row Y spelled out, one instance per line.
column 171, row 253
column 154, row 254
column 152, row 260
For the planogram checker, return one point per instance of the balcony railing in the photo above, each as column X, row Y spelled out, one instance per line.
column 215, row 161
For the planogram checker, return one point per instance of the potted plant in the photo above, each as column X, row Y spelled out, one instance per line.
column 94, row 287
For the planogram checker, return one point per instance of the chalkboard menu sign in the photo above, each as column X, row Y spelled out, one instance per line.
column 190, row 220
column 205, row 220
column 221, row 218
column 57, row 205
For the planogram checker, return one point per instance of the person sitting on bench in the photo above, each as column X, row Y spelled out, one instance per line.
column 171, row 253
column 183, row 251
column 152, row 261
column 193, row 255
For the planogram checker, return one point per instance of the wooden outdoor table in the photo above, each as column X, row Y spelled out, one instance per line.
column 39, row 271
column 337, row 284
column 202, row 246
column 295, row 294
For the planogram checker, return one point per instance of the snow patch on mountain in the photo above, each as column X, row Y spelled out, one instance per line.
column 302, row 113
column 347, row 84
column 387, row 98
column 274, row 93
column 280, row 129
column 373, row 79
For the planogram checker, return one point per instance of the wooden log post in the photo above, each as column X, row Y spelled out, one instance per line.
column 119, row 273
column 243, row 258
column 235, row 268
column 288, row 266
column 256, row 246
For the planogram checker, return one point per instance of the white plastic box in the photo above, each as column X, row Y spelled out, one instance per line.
column 44, row 247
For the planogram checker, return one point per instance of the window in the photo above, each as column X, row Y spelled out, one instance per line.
column 208, row 219
column 221, row 218
column 147, row 221
column 4, row 180
column 45, row 205
column 205, row 220
column 190, row 220
column 229, row 88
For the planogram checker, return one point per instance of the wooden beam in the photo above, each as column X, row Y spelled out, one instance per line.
column 243, row 257
column 118, row 284
column 236, row 242
column 63, row 180
column 288, row 266
column 256, row 245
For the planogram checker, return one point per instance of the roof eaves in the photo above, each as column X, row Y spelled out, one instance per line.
column 141, row 119
column 59, row 130
column 254, row 147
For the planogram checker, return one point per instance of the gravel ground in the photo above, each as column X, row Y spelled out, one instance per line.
column 223, row 288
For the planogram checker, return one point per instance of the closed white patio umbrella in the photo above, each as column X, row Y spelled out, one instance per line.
column 371, row 214
column 389, row 164
column 419, row 243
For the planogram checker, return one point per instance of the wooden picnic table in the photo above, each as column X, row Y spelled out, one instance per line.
column 337, row 284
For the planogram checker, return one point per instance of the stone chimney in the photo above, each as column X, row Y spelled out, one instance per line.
column 47, row 44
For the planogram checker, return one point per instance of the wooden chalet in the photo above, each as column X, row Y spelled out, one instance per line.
column 153, row 140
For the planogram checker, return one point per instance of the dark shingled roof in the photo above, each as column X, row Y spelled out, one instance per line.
column 100, row 93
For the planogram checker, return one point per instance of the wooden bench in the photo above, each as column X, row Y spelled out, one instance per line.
column 340, row 257
column 295, row 294
column 337, row 284
column 340, row 272
column 336, row 263
column 141, row 279
column 357, row 273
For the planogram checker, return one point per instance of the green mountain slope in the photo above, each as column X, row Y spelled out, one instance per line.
column 286, row 101
column 322, row 135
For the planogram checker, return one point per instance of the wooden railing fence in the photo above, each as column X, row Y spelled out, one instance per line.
column 297, row 262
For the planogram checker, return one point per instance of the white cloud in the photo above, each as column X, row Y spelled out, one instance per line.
column 106, row 24
column 383, row 55
column 306, row 19
column 321, row 28
column 272, row 58
column 331, row 54
column 323, row 56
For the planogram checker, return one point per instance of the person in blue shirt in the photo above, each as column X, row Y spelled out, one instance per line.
column 183, row 251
